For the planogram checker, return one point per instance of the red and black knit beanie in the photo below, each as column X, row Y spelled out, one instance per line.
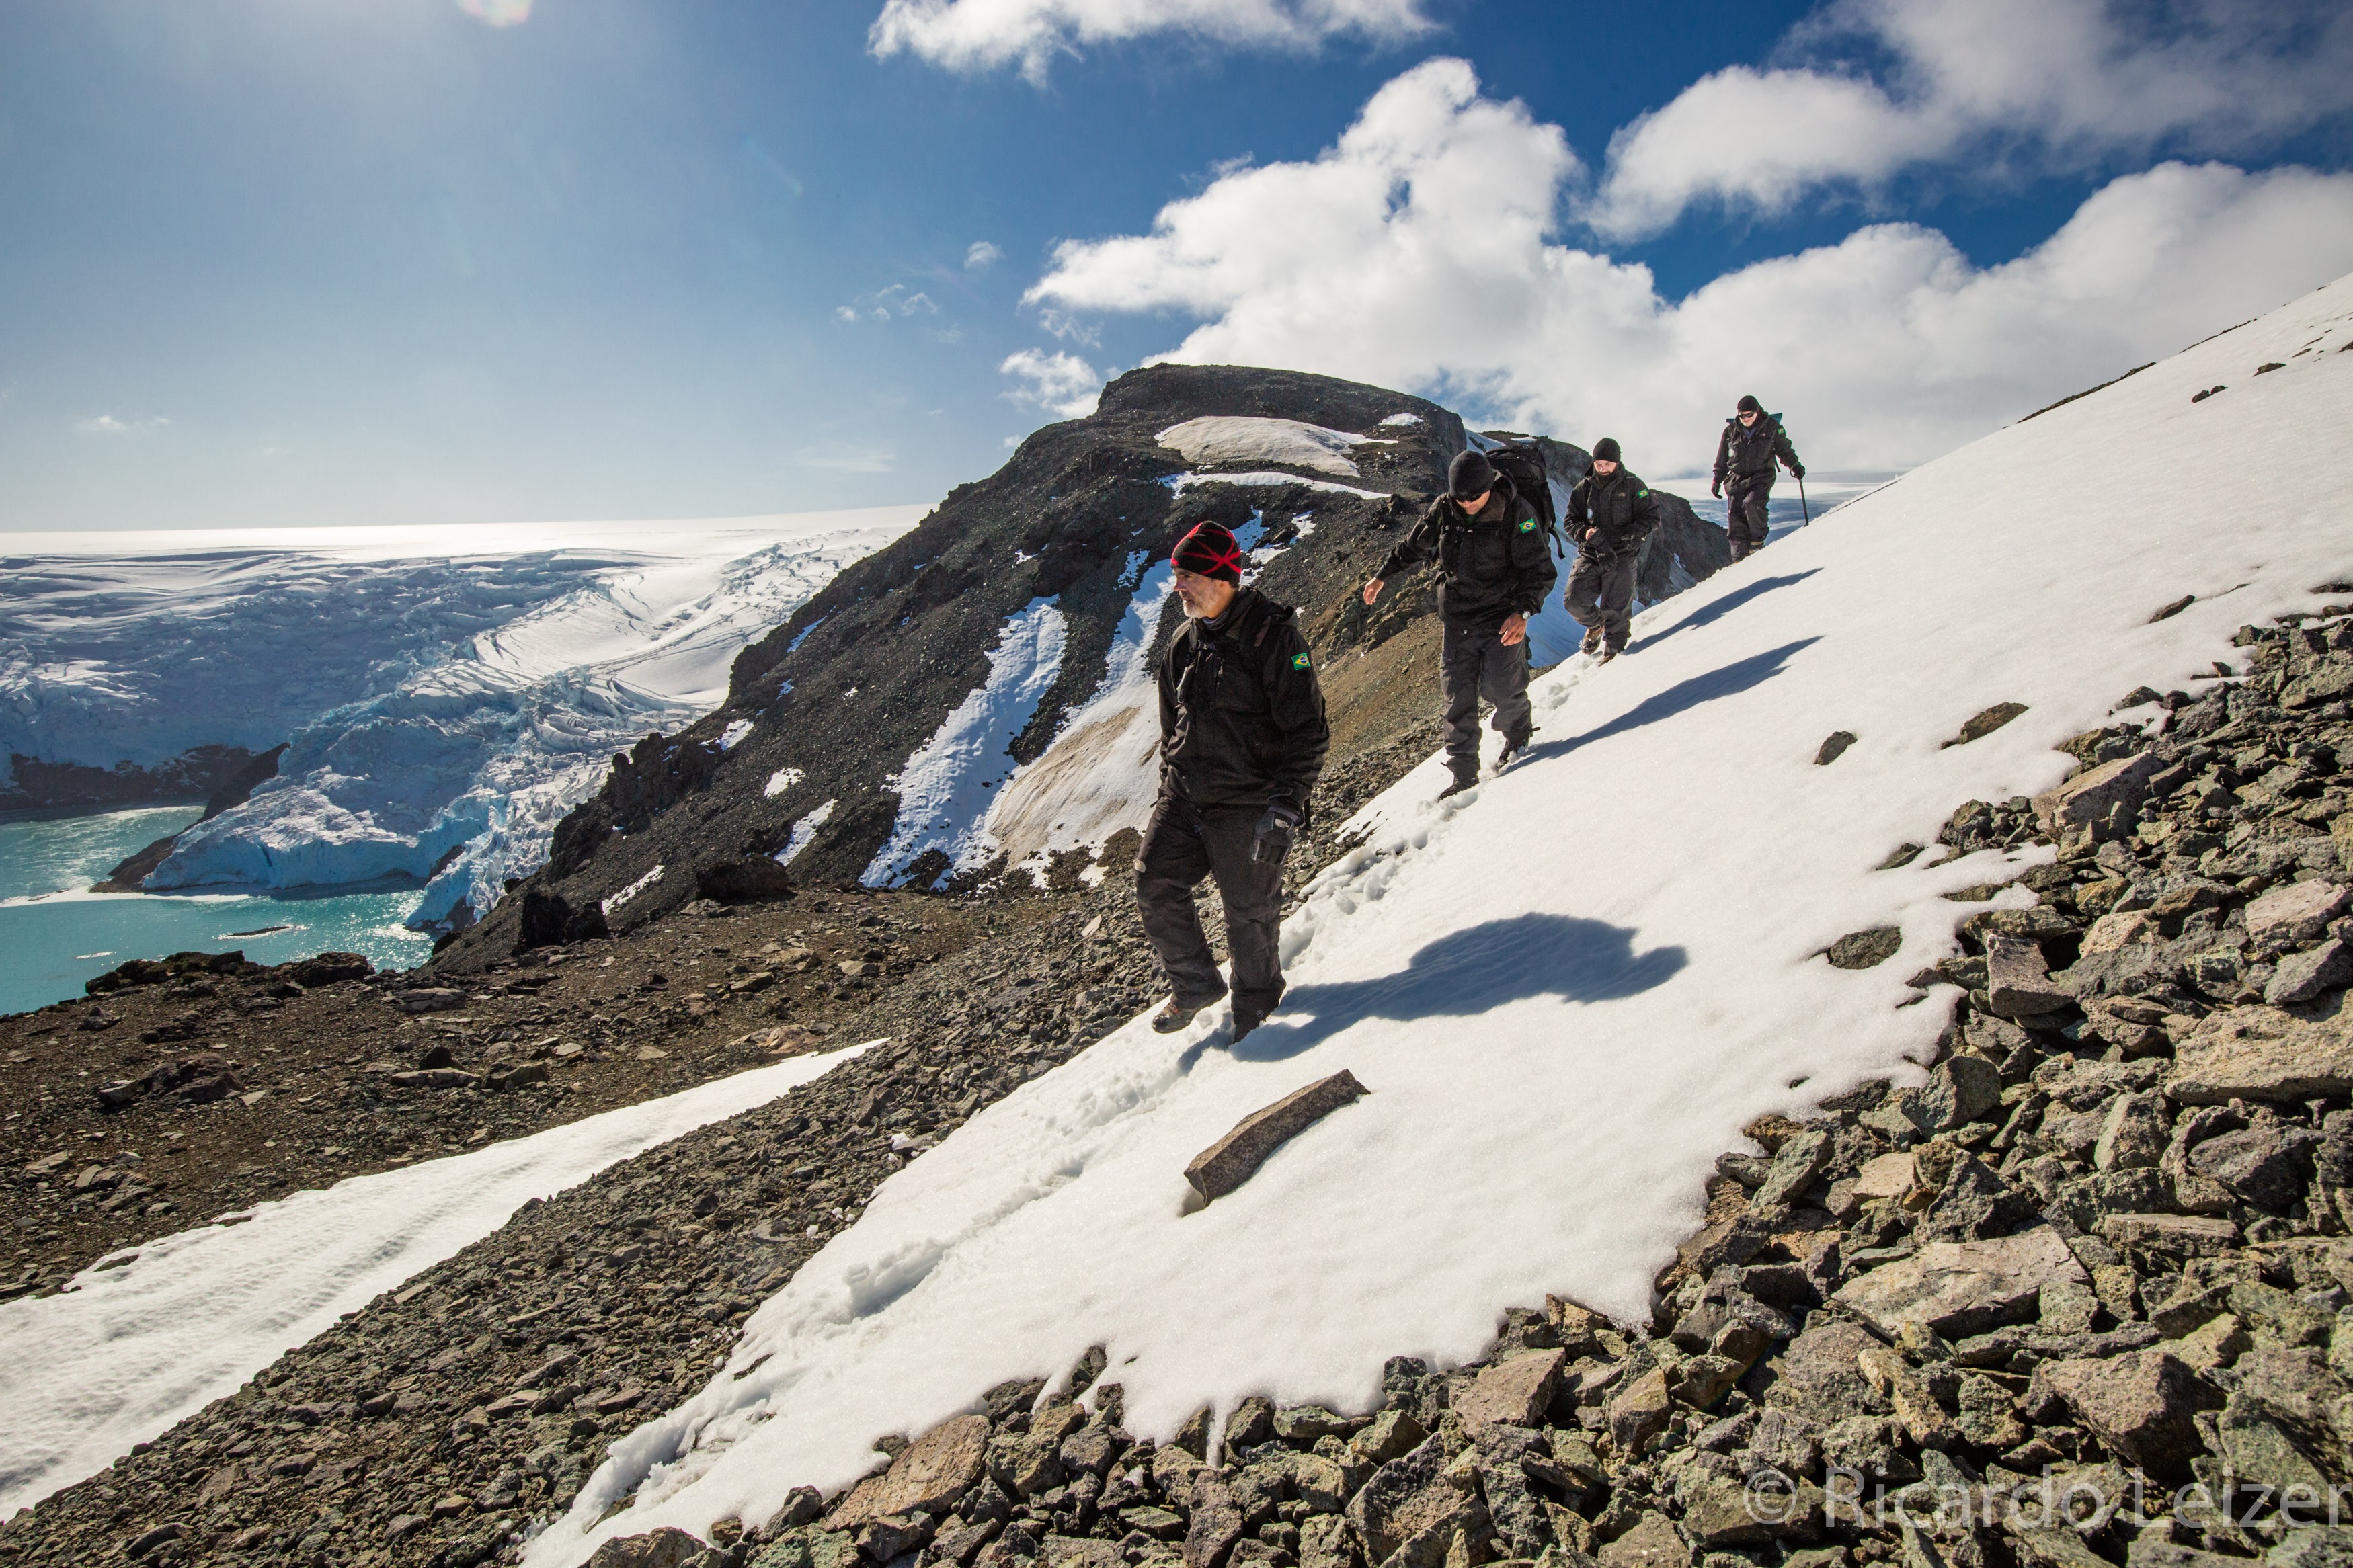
column 1210, row 551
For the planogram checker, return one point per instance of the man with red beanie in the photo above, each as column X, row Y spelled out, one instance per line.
column 1242, row 738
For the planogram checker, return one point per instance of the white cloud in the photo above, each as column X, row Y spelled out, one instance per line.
column 1415, row 255
column 981, row 35
column 844, row 313
column 498, row 13
column 1062, row 383
column 1983, row 82
column 846, row 457
column 108, row 425
column 982, row 253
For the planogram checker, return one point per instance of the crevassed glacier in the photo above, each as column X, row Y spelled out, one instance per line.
column 448, row 694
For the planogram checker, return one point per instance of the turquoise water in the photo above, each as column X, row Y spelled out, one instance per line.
column 54, row 935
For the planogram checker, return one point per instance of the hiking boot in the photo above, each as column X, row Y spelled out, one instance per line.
column 1245, row 1020
column 1592, row 643
column 1174, row 1016
column 1458, row 786
column 1609, row 653
column 1512, row 746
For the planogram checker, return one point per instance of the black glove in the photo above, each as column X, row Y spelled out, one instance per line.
column 1799, row 469
column 1716, row 490
column 1272, row 839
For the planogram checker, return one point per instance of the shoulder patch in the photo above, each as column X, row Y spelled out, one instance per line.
column 1299, row 661
column 1527, row 525
column 1641, row 493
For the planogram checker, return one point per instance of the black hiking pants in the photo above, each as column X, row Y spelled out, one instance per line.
column 1743, row 515
column 1474, row 663
column 1601, row 593
column 1183, row 844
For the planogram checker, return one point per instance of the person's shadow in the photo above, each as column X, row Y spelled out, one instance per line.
column 1684, row 695
column 1468, row 972
column 1708, row 614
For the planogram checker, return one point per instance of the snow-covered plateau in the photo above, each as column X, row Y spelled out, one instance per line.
column 1567, row 990
column 448, row 693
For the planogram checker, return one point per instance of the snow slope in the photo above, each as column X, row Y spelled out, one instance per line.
column 444, row 688
column 1562, row 1019
column 132, row 1347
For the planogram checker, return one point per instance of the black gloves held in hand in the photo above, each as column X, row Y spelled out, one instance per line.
column 1275, row 830
column 1716, row 490
column 1799, row 469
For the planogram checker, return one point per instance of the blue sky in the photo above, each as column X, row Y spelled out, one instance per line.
column 302, row 262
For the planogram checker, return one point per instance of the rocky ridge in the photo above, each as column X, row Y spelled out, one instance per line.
column 829, row 706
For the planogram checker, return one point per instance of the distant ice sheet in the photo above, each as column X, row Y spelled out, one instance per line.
column 127, row 1352
column 443, row 690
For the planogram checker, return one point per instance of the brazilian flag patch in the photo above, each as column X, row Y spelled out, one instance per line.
column 1299, row 661
column 1527, row 525
column 1641, row 493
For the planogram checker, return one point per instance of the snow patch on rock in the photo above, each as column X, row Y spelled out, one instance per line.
column 945, row 789
column 805, row 833
column 1222, row 438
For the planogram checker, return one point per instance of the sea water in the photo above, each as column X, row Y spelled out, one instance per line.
column 56, row 934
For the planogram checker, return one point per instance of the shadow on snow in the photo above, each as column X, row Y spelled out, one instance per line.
column 1708, row 614
column 1468, row 972
column 1682, row 697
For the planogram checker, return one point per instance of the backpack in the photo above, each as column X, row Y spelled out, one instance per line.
column 1522, row 462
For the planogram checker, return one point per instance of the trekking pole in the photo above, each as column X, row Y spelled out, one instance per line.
column 1807, row 510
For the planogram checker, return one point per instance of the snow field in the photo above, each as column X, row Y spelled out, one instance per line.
column 151, row 1336
column 1567, row 991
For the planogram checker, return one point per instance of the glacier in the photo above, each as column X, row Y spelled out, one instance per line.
column 447, row 693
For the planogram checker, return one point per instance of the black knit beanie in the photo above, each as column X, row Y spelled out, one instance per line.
column 1470, row 476
column 1606, row 451
column 1748, row 404
column 1210, row 550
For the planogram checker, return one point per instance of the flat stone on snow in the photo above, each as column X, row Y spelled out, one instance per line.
column 1231, row 1161
column 1961, row 1288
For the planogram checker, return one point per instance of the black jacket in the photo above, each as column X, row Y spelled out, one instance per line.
column 1241, row 714
column 1621, row 509
column 1491, row 567
column 1744, row 453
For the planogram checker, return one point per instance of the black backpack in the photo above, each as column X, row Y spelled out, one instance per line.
column 1522, row 462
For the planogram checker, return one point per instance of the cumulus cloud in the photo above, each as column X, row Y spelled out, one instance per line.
column 2061, row 83
column 1417, row 253
column 982, row 35
column 1061, row 384
column 982, row 253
